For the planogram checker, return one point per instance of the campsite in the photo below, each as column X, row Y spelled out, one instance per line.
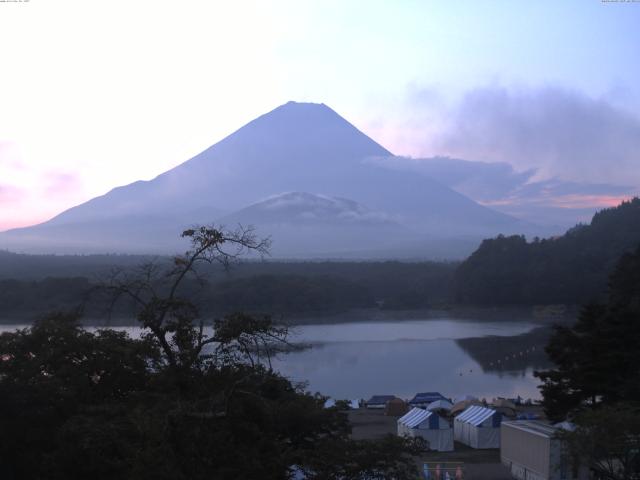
column 372, row 421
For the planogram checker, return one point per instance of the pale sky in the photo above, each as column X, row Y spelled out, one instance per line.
column 96, row 94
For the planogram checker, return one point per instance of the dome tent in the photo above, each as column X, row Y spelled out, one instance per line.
column 440, row 405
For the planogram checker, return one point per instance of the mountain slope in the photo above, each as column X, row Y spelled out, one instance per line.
column 569, row 269
column 296, row 147
column 305, row 224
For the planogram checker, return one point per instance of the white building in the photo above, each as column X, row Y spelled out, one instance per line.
column 478, row 427
column 428, row 425
column 532, row 451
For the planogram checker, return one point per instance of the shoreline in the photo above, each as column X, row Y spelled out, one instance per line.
column 539, row 314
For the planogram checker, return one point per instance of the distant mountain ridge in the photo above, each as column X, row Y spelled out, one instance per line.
column 297, row 147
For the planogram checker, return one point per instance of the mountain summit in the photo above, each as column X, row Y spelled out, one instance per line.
column 297, row 147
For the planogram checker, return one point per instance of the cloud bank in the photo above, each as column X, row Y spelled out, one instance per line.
column 559, row 133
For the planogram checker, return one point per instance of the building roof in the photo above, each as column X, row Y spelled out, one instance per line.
column 416, row 417
column 380, row 399
column 427, row 397
column 533, row 426
column 476, row 415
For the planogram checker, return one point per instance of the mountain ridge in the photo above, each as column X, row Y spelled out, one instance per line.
column 302, row 147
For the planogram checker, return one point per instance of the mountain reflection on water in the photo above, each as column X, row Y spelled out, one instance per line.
column 512, row 354
column 357, row 360
column 454, row 356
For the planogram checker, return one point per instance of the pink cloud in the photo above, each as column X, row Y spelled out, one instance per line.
column 61, row 184
column 584, row 201
column 562, row 201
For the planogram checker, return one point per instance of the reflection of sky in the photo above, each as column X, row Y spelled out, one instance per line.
column 406, row 330
column 361, row 369
column 357, row 360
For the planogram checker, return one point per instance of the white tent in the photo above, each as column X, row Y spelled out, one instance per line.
column 329, row 403
column 440, row 405
column 428, row 425
column 478, row 427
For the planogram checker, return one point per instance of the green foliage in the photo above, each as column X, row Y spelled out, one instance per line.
column 571, row 269
column 596, row 381
column 290, row 294
column 390, row 457
column 597, row 359
column 50, row 373
column 607, row 440
column 303, row 288
column 182, row 403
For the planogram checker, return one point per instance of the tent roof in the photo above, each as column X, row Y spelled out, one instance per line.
column 427, row 397
column 440, row 404
column 415, row 417
column 475, row 415
column 329, row 403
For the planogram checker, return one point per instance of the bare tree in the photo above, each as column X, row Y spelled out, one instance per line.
column 155, row 290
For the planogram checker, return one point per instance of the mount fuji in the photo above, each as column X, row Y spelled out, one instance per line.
column 300, row 173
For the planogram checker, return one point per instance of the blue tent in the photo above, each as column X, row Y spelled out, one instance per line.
column 478, row 427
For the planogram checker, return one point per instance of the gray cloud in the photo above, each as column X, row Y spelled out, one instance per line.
column 488, row 182
column 559, row 133
column 482, row 181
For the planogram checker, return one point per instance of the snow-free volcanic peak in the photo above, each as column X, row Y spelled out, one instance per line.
column 297, row 147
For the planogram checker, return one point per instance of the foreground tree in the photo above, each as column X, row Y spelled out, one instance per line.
column 597, row 360
column 596, row 382
column 187, row 401
column 608, row 441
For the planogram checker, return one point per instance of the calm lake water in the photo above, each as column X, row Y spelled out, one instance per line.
column 453, row 356
column 357, row 360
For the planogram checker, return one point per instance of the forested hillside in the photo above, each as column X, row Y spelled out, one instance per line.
column 296, row 288
column 569, row 269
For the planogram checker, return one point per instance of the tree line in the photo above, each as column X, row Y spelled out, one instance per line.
column 571, row 269
column 595, row 382
column 182, row 402
column 279, row 289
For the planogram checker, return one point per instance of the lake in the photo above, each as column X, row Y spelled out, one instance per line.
column 451, row 355
column 357, row 360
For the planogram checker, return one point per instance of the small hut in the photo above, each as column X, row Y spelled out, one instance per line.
column 478, row 427
column 429, row 426
column 532, row 449
column 396, row 407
